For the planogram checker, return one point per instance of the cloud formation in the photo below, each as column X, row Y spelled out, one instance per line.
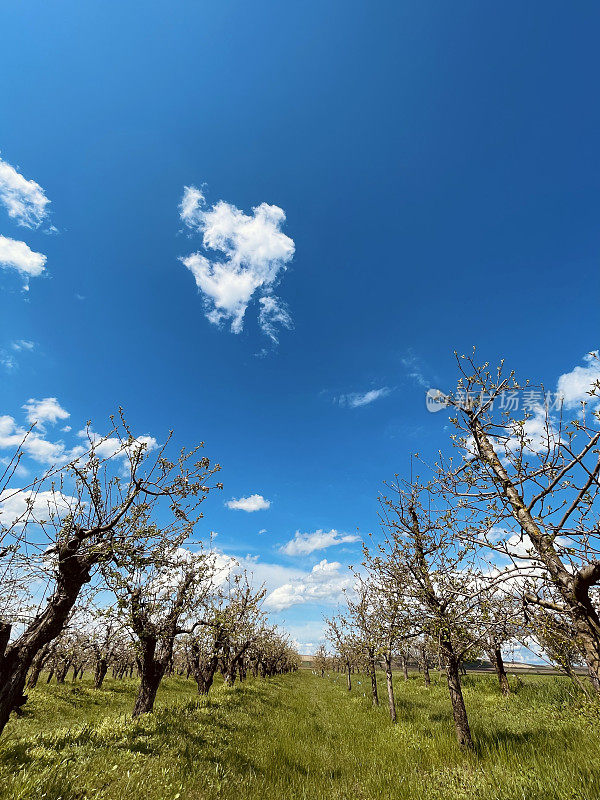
column 305, row 543
column 256, row 253
column 323, row 584
column 359, row 399
column 38, row 447
column 25, row 200
column 574, row 386
column 18, row 506
column 22, row 344
column 46, row 410
column 255, row 502
column 414, row 368
column 19, row 256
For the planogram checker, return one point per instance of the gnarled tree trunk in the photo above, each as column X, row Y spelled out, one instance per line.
column 100, row 672
column 495, row 657
column 16, row 658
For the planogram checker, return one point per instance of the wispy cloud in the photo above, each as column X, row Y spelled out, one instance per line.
column 25, row 200
column 415, row 369
column 255, row 502
column 22, row 344
column 305, row 543
column 8, row 357
column 256, row 253
column 359, row 399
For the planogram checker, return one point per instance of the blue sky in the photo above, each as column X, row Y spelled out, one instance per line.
column 437, row 167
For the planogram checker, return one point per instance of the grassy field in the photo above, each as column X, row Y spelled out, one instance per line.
column 301, row 736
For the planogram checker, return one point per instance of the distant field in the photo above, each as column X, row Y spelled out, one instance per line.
column 300, row 736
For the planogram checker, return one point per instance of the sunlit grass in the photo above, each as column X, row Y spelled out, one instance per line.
column 300, row 736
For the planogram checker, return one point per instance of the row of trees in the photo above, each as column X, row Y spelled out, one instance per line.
column 500, row 545
column 114, row 528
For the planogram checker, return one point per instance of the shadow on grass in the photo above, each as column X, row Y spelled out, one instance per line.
column 200, row 731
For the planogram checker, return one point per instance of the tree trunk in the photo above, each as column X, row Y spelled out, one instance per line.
column 594, row 679
column 426, row 676
column 16, row 658
column 459, row 712
column 374, row 696
column 152, row 672
column 151, row 678
column 348, row 674
column 37, row 666
column 100, row 672
column 495, row 657
column 390, row 686
column 204, row 681
column 230, row 673
column 61, row 674
column 405, row 667
column 204, row 672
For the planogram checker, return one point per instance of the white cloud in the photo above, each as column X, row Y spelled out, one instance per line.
column 24, row 200
column 306, row 636
column 256, row 254
column 46, row 410
column 109, row 447
column 17, row 255
column 17, row 505
column 288, row 586
column 7, row 356
column 323, row 584
column 191, row 205
column 574, row 386
column 273, row 312
column 358, row 399
column 255, row 502
column 34, row 445
column 415, row 370
column 7, row 360
column 22, row 344
column 304, row 543
column 262, row 530
column 52, row 453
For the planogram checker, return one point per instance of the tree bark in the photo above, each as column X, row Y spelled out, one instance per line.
column 100, row 672
column 152, row 672
column 348, row 675
column 495, row 657
column 16, row 658
column 595, row 681
column 390, row 686
column 374, row 695
column 459, row 711
column 203, row 670
column 37, row 666
column 146, row 696
column 426, row 676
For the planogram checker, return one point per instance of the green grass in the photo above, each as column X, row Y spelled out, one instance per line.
column 300, row 736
